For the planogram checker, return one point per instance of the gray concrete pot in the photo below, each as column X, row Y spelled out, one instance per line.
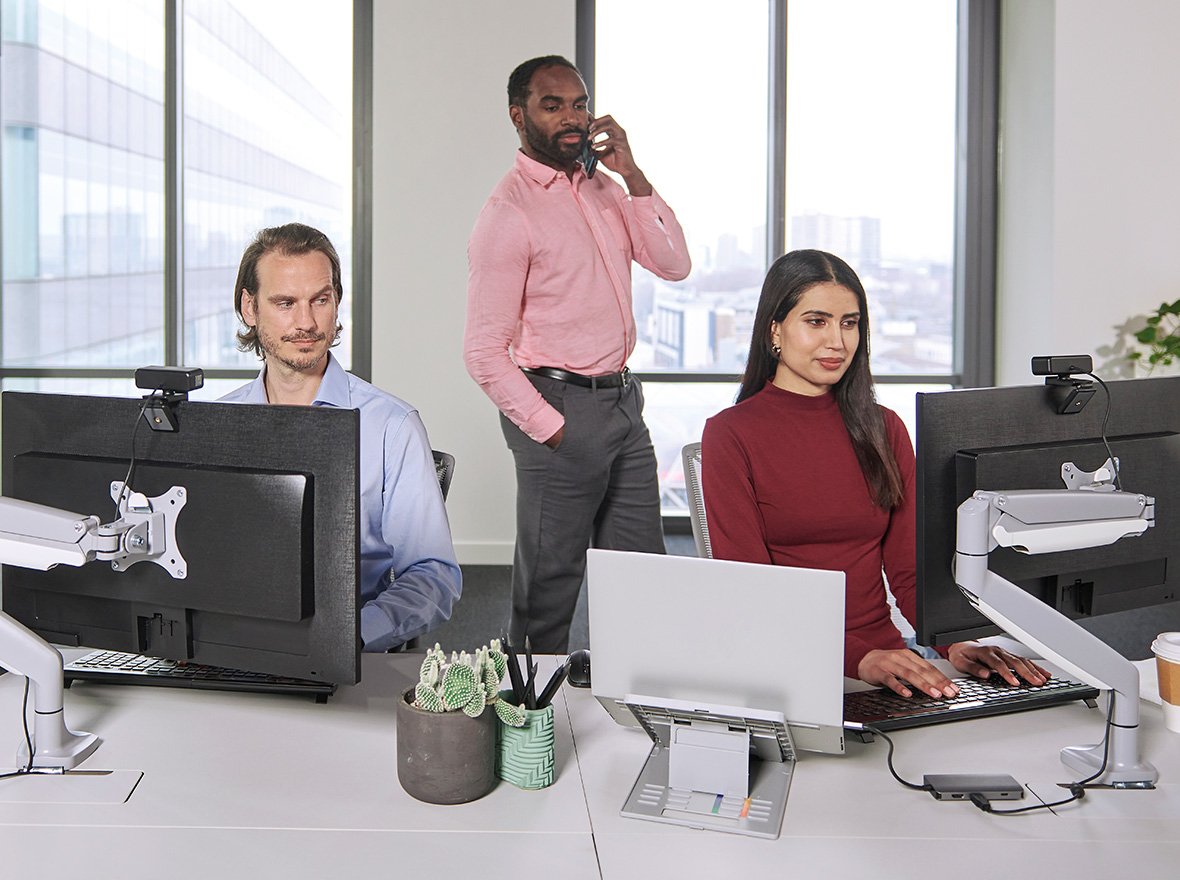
column 445, row 757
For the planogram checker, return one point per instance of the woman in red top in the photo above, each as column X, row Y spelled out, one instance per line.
column 808, row 470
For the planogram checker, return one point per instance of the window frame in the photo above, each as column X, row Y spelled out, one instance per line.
column 362, row 152
column 974, row 252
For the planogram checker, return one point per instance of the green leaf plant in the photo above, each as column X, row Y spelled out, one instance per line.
column 1161, row 336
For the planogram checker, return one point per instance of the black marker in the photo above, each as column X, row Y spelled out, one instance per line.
column 514, row 673
column 530, row 693
column 555, row 682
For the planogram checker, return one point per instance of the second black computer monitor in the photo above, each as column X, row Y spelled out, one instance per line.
column 1015, row 438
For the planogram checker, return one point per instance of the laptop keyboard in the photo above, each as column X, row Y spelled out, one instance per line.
column 886, row 710
column 117, row 667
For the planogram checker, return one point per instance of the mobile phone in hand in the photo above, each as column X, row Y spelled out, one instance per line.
column 588, row 158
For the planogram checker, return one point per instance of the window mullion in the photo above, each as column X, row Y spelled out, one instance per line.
column 975, row 192
column 776, row 147
column 174, row 182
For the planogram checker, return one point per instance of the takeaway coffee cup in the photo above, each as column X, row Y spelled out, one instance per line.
column 1167, row 662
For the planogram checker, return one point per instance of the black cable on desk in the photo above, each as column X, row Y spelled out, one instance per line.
column 889, row 760
column 24, row 714
column 1077, row 790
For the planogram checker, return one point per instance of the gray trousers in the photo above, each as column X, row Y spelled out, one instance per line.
column 597, row 488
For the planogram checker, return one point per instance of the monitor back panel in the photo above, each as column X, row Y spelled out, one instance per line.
column 269, row 533
column 756, row 636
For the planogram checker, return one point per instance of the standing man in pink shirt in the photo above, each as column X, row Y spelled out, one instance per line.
column 549, row 331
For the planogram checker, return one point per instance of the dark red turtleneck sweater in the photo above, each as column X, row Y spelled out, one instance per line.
column 782, row 486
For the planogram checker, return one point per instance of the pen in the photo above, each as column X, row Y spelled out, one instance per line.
column 530, row 693
column 530, row 689
column 514, row 673
column 555, row 682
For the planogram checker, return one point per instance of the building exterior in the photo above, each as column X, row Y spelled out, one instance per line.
column 265, row 140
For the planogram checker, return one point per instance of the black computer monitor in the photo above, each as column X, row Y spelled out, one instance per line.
column 1014, row 438
column 269, row 532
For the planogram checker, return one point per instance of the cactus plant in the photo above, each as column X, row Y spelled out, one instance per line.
column 465, row 683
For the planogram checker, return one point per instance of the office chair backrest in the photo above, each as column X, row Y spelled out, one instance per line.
column 691, row 455
column 444, row 468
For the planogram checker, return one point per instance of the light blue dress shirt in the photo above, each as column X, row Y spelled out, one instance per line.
column 409, row 576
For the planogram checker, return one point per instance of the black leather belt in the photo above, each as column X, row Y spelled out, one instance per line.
column 610, row 380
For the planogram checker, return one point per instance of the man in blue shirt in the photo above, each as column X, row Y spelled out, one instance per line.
column 287, row 295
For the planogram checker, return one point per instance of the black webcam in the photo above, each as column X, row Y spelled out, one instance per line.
column 1062, row 364
column 178, row 379
column 1069, row 393
column 168, row 386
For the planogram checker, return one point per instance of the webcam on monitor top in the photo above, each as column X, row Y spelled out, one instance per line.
column 1070, row 393
column 1062, row 364
column 168, row 386
column 176, row 379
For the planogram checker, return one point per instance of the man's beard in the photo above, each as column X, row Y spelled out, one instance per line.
column 299, row 362
column 552, row 148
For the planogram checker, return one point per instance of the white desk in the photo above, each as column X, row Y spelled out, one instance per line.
column 254, row 785
column 258, row 786
column 848, row 818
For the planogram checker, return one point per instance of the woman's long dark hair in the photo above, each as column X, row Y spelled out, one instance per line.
column 789, row 278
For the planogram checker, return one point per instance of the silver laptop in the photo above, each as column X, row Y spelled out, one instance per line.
column 763, row 637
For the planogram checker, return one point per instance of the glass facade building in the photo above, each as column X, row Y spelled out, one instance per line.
column 265, row 92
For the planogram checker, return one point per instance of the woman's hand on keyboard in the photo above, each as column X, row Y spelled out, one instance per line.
column 901, row 669
column 982, row 660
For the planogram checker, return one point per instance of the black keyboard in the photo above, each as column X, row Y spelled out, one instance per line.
column 116, row 667
column 886, row 710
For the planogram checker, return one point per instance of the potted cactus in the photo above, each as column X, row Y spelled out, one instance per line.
column 446, row 737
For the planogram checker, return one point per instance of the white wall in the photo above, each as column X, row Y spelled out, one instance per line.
column 441, row 140
column 1090, row 183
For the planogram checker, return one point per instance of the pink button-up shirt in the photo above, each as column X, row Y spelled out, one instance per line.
column 549, row 282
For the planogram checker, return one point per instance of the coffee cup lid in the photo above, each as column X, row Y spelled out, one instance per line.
column 1167, row 645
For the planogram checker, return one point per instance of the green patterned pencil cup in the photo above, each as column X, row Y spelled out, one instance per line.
column 524, row 755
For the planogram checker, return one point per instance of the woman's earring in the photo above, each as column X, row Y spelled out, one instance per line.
column 776, row 350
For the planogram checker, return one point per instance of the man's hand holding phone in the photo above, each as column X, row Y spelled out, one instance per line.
column 608, row 142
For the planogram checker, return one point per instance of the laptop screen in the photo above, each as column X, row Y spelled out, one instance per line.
column 734, row 633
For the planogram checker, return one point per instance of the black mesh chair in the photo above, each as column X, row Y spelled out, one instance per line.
column 691, row 456
column 444, row 468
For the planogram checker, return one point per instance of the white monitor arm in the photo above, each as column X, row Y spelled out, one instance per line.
column 40, row 537
column 1043, row 521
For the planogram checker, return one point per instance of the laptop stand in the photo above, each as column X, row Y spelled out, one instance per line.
column 721, row 768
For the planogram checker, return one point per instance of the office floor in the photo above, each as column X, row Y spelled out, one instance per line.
column 482, row 613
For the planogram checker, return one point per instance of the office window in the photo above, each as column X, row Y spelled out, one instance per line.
column 82, row 111
column 265, row 98
column 861, row 163
column 696, row 120
column 267, row 140
column 870, row 172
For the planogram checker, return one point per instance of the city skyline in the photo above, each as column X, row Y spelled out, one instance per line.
column 704, row 323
